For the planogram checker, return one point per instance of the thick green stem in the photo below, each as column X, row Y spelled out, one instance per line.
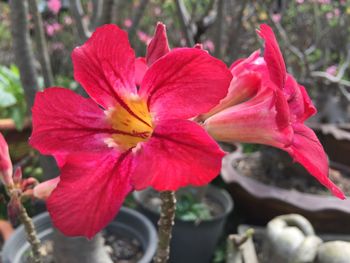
column 31, row 234
column 165, row 225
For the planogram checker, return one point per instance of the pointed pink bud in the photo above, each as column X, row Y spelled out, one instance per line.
column 199, row 46
column 17, row 177
column 5, row 163
column 44, row 190
column 158, row 46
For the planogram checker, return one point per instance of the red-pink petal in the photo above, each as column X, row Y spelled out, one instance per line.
column 179, row 153
column 5, row 162
column 90, row 193
column 158, row 46
column 309, row 108
column 65, row 122
column 308, row 151
column 273, row 56
column 184, row 83
column 263, row 119
column 242, row 87
column 105, row 65
column 299, row 102
column 140, row 70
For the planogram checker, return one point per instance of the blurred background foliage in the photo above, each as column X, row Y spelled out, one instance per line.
column 313, row 34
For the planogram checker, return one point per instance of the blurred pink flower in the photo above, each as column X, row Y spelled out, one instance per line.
column 329, row 15
column 183, row 42
column 276, row 17
column 157, row 10
column 67, row 20
column 209, row 45
column 336, row 12
column 54, row 6
column 127, row 23
column 52, row 29
column 144, row 37
column 300, row 1
column 57, row 46
column 332, row 70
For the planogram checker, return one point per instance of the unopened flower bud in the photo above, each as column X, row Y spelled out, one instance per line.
column 17, row 177
column 43, row 190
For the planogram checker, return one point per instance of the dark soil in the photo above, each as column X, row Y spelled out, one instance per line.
column 120, row 249
column 276, row 168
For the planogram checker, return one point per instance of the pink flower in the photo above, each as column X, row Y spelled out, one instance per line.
column 266, row 105
column 5, row 163
column 124, row 138
column 157, row 11
column 67, row 20
column 276, row 17
column 58, row 46
column 329, row 15
column 144, row 37
column 209, row 45
column 337, row 12
column 54, row 6
column 52, row 29
column 128, row 23
column 332, row 70
column 300, row 1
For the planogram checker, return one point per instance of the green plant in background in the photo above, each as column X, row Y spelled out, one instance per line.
column 188, row 208
column 12, row 100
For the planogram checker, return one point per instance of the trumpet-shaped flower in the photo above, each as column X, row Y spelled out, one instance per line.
column 266, row 105
column 125, row 137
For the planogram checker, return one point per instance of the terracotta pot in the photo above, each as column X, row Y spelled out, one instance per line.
column 260, row 202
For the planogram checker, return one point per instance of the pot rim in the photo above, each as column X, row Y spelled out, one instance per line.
column 211, row 188
column 45, row 228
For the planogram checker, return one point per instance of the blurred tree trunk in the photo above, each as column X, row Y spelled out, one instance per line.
column 219, row 29
column 78, row 15
column 235, row 29
column 106, row 13
column 41, row 43
column 96, row 14
column 185, row 22
column 137, row 18
column 22, row 48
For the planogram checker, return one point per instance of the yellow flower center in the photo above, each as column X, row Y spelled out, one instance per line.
column 132, row 123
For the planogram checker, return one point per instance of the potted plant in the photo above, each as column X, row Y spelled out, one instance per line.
column 201, row 214
column 269, row 184
column 130, row 229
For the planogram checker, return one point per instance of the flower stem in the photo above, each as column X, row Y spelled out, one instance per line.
column 165, row 225
column 31, row 234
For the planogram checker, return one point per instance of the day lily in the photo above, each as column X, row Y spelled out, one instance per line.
column 266, row 105
column 126, row 137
